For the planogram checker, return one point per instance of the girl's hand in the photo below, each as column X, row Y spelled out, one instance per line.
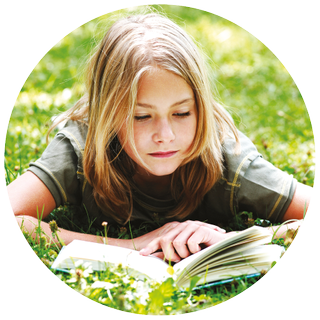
column 179, row 240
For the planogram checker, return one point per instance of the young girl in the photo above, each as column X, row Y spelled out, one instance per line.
column 148, row 141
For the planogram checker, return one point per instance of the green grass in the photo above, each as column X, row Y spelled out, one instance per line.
column 118, row 288
column 261, row 95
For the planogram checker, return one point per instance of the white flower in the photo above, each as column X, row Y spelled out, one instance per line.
column 103, row 284
column 71, row 280
column 78, row 263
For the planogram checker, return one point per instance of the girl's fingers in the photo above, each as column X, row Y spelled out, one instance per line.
column 206, row 236
column 193, row 234
column 152, row 247
column 174, row 242
column 179, row 240
column 159, row 255
column 169, row 251
column 202, row 235
column 181, row 249
column 208, row 225
column 165, row 244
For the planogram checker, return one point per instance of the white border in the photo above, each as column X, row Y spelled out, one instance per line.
column 30, row 28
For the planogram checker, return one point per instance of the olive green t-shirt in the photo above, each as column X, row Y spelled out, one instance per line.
column 249, row 183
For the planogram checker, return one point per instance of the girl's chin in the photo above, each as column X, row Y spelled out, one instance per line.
column 158, row 172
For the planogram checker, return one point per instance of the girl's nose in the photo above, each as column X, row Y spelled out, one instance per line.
column 163, row 132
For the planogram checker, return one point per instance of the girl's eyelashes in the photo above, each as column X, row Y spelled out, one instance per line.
column 178, row 114
column 141, row 118
column 182, row 114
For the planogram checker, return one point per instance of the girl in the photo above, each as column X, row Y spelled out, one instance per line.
column 148, row 141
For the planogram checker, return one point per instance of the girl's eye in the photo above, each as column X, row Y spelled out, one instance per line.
column 141, row 118
column 183, row 114
column 178, row 114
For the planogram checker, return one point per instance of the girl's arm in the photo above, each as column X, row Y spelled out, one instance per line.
column 31, row 223
column 296, row 210
column 299, row 203
column 178, row 240
column 27, row 193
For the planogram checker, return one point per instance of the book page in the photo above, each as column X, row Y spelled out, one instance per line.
column 265, row 254
column 253, row 261
column 254, row 235
column 100, row 254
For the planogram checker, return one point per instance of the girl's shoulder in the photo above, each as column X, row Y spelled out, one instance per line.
column 254, row 184
column 60, row 165
column 238, row 162
column 76, row 132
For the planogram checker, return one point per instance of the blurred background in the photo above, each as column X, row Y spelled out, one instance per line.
column 259, row 92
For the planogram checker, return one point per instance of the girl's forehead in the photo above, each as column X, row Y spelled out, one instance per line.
column 157, row 78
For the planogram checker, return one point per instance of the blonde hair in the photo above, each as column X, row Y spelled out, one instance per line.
column 131, row 47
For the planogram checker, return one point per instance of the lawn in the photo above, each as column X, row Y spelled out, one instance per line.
column 260, row 94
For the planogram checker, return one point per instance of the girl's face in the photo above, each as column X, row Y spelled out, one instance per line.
column 165, row 123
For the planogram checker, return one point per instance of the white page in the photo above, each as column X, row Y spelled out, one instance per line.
column 254, row 256
column 248, row 234
column 246, row 250
column 153, row 267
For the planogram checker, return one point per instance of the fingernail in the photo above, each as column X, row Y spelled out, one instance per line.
column 143, row 251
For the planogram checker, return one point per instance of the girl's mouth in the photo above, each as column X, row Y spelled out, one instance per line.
column 163, row 154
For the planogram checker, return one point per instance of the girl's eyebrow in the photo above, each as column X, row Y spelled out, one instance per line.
column 146, row 105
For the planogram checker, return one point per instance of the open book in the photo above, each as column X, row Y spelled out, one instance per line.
column 244, row 253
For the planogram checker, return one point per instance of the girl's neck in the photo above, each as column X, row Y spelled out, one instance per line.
column 154, row 186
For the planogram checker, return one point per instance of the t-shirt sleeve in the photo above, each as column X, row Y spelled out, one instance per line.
column 266, row 190
column 57, row 169
column 255, row 184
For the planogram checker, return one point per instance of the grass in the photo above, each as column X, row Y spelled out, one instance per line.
column 119, row 289
column 261, row 96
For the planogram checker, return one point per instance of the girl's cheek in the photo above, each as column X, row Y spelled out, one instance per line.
column 140, row 138
column 139, row 131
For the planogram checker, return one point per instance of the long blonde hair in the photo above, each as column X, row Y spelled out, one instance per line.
column 130, row 48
